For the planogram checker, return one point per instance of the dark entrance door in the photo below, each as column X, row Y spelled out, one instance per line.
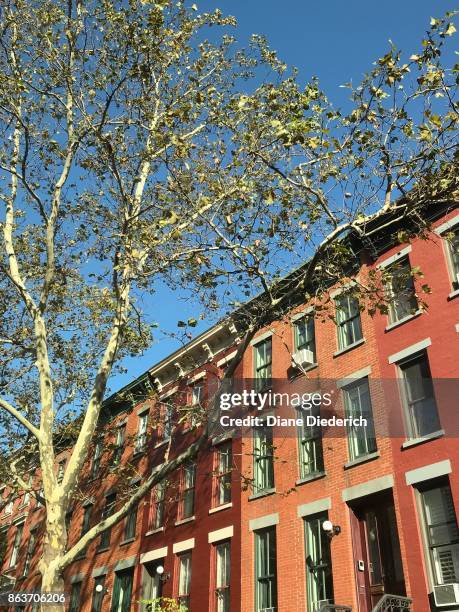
column 377, row 550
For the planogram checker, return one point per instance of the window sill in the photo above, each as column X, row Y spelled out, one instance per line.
column 395, row 324
column 453, row 294
column 300, row 372
column 222, row 507
column 102, row 550
column 311, row 478
column 360, row 460
column 183, row 521
column 139, row 453
column 349, row 348
column 153, row 531
column 128, row 541
column 415, row 441
column 263, row 493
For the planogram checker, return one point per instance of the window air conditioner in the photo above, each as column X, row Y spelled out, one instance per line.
column 446, row 594
column 303, row 358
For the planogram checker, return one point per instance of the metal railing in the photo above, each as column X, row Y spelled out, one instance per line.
column 392, row 603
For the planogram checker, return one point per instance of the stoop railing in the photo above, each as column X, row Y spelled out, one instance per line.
column 393, row 603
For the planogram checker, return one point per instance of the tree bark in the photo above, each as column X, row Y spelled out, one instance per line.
column 53, row 551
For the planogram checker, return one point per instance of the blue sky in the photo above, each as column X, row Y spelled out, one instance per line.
column 335, row 40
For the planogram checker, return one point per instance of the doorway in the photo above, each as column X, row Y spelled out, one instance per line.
column 151, row 586
column 376, row 550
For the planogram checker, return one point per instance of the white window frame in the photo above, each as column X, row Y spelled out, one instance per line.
column 141, row 439
column 451, row 226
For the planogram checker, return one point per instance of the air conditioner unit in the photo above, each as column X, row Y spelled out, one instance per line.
column 446, row 594
column 302, row 358
column 322, row 605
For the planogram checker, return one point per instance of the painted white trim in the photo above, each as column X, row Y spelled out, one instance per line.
column 303, row 313
column 269, row 520
column 226, row 359
column 193, row 379
column 350, row 378
column 220, row 534
column 410, row 350
column 168, row 393
column 457, row 327
column 399, row 255
column 125, row 563
column 143, row 410
column 97, row 572
column 337, row 292
column 222, row 507
column 427, row 472
column 179, row 547
column 261, row 337
column 320, row 505
column 368, row 488
column 153, row 555
column 441, row 229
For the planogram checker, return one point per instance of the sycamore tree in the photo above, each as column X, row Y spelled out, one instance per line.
column 142, row 145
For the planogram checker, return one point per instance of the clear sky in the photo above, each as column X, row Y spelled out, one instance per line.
column 335, row 40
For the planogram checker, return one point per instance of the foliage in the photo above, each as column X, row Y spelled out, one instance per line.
column 139, row 148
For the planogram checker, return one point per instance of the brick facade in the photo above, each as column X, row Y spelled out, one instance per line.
column 350, row 493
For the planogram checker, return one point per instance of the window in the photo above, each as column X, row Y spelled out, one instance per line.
column 61, row 470
column 196, row 394
column 419, row 397
column 122, row 590
column 95, row 467
column 30, row 550
column 452, row 245
column 319, row 578
column 16, row 545
column 9, row 507
column 400, row 291
column 168, row 415
column 157, row 506
column 222, row 577
column 442, row 532
column 265, row 570
column 348, row 321
column 263, row 364
column 110, row 501
column 86, row 519
column 75, row 597
column 119, row 443
column 310, row 446
column 357, row 401
column 26, row 498
column 98, row 596
column 304, row 335
column 223, row 476
column 3, row 543
column 184, row 580
column 85, row 526
column 141, row 440
column 188, row 484
column 263, row 467
column 130, row 524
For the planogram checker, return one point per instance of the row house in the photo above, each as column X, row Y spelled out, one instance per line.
column 274, row 519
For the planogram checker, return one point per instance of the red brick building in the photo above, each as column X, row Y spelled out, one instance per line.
column 245, row 527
